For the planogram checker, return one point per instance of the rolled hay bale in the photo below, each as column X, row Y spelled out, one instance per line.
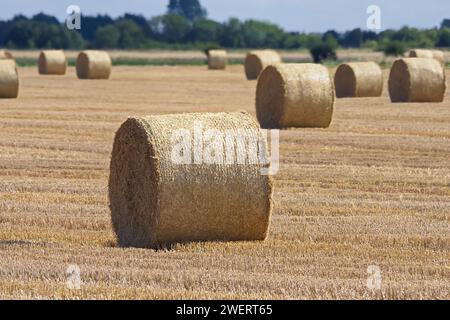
column 157, row 200
column 217, row 59
column 257, row 61
column 358, row 79
column 52, row 62
column 9, row 79
column 5, row 54
column 295, row 95
column 417, row 80
column 92, row 64
column 430, row 54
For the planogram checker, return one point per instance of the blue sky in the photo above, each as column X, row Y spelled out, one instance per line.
column 293, row 15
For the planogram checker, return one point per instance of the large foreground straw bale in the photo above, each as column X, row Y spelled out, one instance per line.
column 426, row 53
column 160, row 195
column 295, row 95
column 417, row 80
column 92, row 64
column 52, row 62
column 217, row 59
column 5, row 54
column 9, row 79
column 257, row 61
column 358, row 79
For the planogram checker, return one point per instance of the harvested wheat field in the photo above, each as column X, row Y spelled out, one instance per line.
column 372, row 189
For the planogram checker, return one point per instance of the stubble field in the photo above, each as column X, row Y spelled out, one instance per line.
column 373, row 189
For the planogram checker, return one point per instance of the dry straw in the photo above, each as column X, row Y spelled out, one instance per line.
column 52, row 62
column 93, row 64
column 359, row 79
column 217, row 59
column 156, row 202
column 295, row 95
column 257, row 61
column 417, row 80
column 9, row 79
column 425, row 53
column 6, row 54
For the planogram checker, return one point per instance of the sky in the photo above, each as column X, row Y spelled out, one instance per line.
column 292, row 15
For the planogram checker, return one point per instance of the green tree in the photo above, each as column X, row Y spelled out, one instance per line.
column 353, row 38
column 445, row 23
column 107, row 37
column 20, row 35
column 171, row 28
column 190, row 9
column 444, row 38
column 258, row 34
column 205, row 30
column 131, row 35
column 232, row 34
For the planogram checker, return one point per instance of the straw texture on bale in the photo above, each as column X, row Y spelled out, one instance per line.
column 359, row 79
column 92, row 64
column 9, row 79
column 417, row 80
column 156, row 202
column 295, row 95
column 430, row 54
column 5, row 54
column 217, row 59
column 257, row 61
column 52, row 62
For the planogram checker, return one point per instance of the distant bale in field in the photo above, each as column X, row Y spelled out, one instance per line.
column 52, row 62
column 217, row 59
column 5, row 54
column 166, row 188
column 426, row 53
column 257, row 61
column 9, row 79
column 295, row 95
column 417, row 80
column 92, row 64
column 358, row 79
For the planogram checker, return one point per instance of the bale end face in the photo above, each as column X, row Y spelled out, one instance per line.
column 156, row 202
column 257, row 61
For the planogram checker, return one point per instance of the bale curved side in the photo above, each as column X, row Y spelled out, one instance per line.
column 156, row 201
column 428, row 53
column 417, row 80
column 257, row 61
column 9, row 79
column 217, row 59
column 358, row 79
column 92, row 64
column 52, row 62
column 295, row 95
column 6, row 54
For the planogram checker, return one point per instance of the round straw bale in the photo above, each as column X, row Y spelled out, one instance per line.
column 6, row 54
column 9, row 79
column 92, row 64
column 417, row 80
column 217, row 59
column 358, row 79
column 295, row 95
column 52, row 62
column 430, row 54
column 257, row 61
column 157, row 201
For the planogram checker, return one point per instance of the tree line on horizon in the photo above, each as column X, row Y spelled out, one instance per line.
column 186, row 26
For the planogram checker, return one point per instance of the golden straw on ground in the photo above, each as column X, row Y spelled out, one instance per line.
column 217, row 59
column 256, row 61
column 9, row 79
column 417, row 80
column 92, row 64
column 358, row 79
column 170, row 181
column 52, row 62
column 295, row 95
